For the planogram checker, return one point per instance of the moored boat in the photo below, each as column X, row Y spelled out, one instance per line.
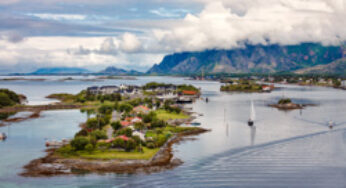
column 3, row 136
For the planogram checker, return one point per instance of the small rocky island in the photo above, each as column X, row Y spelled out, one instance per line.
column 244, row 85
column 129, row 130
column 287, row 104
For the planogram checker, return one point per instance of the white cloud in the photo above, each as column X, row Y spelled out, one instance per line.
column 130, row 43
column 49, row 16
column 224, row 26
column 168, row 13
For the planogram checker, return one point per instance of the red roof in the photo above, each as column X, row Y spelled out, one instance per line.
column 125, row 138
column 125, row 123
column 187, row 92
column 141, row 108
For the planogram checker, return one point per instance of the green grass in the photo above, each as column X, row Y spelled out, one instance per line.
column 112, row 154
column 165, row 115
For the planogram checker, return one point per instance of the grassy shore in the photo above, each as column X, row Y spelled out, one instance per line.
column 113, row 154
column 165, row 115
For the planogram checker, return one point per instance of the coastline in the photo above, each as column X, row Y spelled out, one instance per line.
column 53, row 165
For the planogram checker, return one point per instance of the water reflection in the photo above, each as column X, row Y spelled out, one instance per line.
column 252, row 135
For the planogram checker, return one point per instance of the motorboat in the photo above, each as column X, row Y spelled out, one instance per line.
column 3, row 136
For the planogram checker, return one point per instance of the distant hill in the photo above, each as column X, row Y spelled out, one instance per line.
column 251, row 59
column 336, row 67
column 60, row 71
column 117, row 71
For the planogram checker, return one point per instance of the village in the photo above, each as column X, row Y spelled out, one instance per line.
column 127, row 122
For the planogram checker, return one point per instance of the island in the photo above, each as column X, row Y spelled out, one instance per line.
column 130, row 129
column 244, row 85
column 287, row 104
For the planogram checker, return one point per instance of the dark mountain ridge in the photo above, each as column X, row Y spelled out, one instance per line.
column 251, row 59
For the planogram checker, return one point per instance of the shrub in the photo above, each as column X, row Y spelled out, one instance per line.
column 137, row 139
column 80, row 142
column 130, row 145
column 284, row 101
column 116, row 125
column 125, row 131
column 158, row 123
column 89, row 148
column 82, row 132
column 161, row 139
column 125, row 107
column 66, row 150
column 119, row 143
column 98, row 134
column 103, row 146
column 106, row 109
column 150, row 145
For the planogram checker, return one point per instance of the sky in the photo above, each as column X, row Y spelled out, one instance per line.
column 135, row 34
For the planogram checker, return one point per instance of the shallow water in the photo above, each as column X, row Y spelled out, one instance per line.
column 286, row 149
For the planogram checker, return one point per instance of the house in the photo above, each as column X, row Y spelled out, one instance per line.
column 343, row 83
column 105, row 90
column 141, row 109
column 139, row 134
column 125, row 123
column 94, row 90
column 167, row 96
column 123, row 137
column 188, row 92
column 136, row 120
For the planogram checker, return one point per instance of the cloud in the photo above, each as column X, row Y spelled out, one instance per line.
column 256, row 22
column 174, row 13
column 50, row 16
column 130, row 43
column 13, row 37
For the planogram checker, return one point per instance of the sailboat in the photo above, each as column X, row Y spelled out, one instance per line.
column 252, row 115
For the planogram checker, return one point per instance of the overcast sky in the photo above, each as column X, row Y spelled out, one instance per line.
column 135, row 34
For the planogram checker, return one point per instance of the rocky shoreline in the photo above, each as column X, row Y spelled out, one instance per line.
column 290, row 106
column 52, row 165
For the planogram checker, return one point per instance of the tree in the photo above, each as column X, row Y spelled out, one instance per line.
column 106, row 109
column 99, row 134
column 5, row 100
column 125, row 131
column 119, row 143
column 92, row 123
column 125, row 107
column 158, row 123
column 130, row 144
column 89, row 148
column 79, row 142
column 116, row 125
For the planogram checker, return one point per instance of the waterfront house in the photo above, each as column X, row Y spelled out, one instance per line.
column 343, row 83
column 188, row 92
column 94, row 90
column 106, row 90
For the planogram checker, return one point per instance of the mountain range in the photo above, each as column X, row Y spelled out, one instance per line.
column 250, row 59
column 60, row 70
column 117, row 71
column 336, row 67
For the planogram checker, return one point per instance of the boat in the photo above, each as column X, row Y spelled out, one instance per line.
column 330, row 124
column 3, row 136
column 252, row 115
column 55, row 143
column 195, row 123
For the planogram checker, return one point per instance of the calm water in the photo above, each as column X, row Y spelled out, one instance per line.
column 286, row 149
